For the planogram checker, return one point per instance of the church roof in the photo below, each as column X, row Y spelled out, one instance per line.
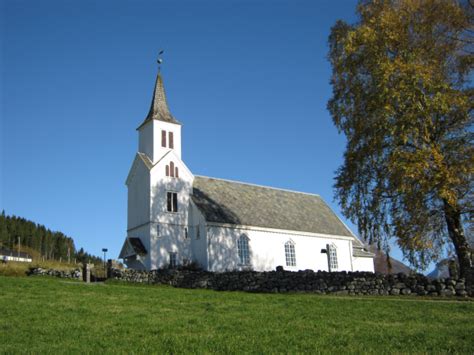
column 362, row 252
column 159, row 107
column 138, row 246
column 132, row 246
column 223, row 201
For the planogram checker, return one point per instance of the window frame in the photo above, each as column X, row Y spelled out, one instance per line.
column 243, row 250
column 290, row 253
column 333, row 264
column 172, row 202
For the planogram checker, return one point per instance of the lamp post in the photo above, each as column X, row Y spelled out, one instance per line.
column 105, row 269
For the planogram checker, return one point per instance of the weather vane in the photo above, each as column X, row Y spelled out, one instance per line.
column 160, row 60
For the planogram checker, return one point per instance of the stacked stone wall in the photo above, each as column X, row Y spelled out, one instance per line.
column 321, row 282
column 67, row 274
column 280, row 281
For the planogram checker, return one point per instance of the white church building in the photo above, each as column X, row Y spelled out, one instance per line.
column 176, row 217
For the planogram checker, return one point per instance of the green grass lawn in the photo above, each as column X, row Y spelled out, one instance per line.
column 51, row 315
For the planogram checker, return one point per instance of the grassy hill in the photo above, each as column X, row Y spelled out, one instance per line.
column 42, row 315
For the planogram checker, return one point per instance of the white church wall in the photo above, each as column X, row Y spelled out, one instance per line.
column 170, row 236
column 138, row 195
column 135, row 265
column 166, row 239
column 267, row 250
column 363, row 264
column 199, row 236
column 158, row 150
column 142, row 232
column 145, row 140
column 161, row 184
column 149, row 139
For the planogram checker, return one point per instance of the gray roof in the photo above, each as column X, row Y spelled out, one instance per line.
column 8, row 252
column 159, row 107
column 224, row 201
column 132, row 246
column 362, row 252
column 138, row 246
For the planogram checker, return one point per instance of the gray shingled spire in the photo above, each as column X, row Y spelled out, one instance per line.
column 159, row 107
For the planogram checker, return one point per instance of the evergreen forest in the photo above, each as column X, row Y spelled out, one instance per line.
column 19, row 233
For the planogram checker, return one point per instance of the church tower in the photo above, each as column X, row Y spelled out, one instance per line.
column 160, row 132
column 159, row 188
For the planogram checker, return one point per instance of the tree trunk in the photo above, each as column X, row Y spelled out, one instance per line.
column 456, row 233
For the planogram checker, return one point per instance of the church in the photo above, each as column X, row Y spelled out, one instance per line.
column 177, row 218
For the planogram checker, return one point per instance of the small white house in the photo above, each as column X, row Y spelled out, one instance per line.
column 10, row 255
column 176, row 217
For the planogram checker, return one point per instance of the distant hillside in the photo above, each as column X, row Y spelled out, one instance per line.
column 44, row 243
column 441, row 270
column 380, row 263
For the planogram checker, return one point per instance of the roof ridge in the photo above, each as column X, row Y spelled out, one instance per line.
column 257, row 185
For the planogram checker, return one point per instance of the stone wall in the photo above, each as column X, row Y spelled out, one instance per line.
column 68, row 274
column 321, row 282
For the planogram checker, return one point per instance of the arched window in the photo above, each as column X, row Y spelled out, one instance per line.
column 243, row 249
column 172, row 169
column 332, row 257
column 290, row 255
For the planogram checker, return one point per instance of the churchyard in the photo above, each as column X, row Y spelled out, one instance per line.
column 41, row 314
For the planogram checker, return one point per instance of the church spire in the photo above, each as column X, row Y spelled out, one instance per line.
column 159, row 107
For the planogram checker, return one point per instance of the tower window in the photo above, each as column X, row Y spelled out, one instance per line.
column 172, row 201
column 163, row 139
column 290, row 255
column 243, row 250
column 172, row 169
column 186, row 232
column 170, row 140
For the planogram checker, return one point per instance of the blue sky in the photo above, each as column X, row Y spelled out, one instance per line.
column 248, row 79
